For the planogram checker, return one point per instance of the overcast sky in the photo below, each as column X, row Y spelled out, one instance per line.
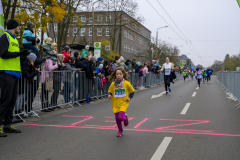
column 204, row 20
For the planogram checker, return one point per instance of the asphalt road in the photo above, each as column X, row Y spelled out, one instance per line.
column 178, row 126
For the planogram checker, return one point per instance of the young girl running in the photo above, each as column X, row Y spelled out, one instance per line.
column 199, row 76
column 119, row 92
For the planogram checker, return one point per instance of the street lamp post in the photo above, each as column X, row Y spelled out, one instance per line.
column 157, row 33
column 152, row 53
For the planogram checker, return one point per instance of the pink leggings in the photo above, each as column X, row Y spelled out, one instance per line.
column 119, row 118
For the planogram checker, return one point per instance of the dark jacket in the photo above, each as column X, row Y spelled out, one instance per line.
column 89, row 70
column 137, row 69
column 67, row 76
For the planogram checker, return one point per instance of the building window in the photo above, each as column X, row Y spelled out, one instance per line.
column 99, row 32
column 90, row 19
column 99, row 19
column 83, row 18
column 74, row 19
column 124, row 47
column 107, row 46
column 129, row 48
column 55, row 27
column 107, row 32
column 125, row 33
column 82, row 31
column 129, row 36
column 90, row 31
column 74, row 31
column 108, row 18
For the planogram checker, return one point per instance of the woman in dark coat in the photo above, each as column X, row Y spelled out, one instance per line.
column 29, row 72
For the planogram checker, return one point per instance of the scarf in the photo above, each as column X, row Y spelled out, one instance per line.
column 119, row 84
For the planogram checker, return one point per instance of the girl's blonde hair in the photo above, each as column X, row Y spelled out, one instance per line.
column 113, row 75
column 61, row 57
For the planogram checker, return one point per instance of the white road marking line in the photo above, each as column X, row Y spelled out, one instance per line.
column 197, row 88
column 161, row 149
column 159, row 95
column 184, row 111
column 194, row 94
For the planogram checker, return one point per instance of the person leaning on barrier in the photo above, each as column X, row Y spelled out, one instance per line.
column 67, row 79
column 10, row 72
column 57, row 80
column 29, row 71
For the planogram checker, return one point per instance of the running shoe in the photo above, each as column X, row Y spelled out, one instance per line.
column 166, row 93
column 170, row 90
column 126, row 121
column 32, row 114
column 2, row 134
column 11, row 129
column 119, row 134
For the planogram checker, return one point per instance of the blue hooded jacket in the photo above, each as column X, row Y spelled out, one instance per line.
column 209, row 72
column 28, row 37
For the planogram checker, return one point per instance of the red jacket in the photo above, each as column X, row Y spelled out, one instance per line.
column 67, row 55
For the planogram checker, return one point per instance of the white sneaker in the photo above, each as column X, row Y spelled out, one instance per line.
column 32, row 114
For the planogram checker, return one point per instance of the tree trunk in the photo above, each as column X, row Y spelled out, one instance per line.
column 7, row 12
column 13, row 9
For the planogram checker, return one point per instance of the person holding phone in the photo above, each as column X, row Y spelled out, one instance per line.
column 85, row 52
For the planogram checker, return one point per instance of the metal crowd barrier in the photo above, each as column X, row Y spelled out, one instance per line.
column 55, row 89
column 230, row 82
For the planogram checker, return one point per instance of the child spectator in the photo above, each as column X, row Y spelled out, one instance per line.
column 29, row 39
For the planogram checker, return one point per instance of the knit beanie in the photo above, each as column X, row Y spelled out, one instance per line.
column 12, row 24
column 100, row 59
column 47, row 40
column 87, row 46
column 100, row 65
column 31, row 57
column 66, row 48
column 30, row 25
column 138, row 63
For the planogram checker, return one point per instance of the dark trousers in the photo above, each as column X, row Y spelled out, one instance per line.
column 184, row 77
column 167, row 82
column 44, row 97
column 199, row 81
column 209, row 78
column 33, row 48
column 54, row 97
column 8, row 96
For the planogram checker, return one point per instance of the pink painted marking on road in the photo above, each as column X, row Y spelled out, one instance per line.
column 187, row 130
column 74, row 116
column 90, row 117
column 141, row 122
column 139, row 130
column 179, row 120
column 200, row 122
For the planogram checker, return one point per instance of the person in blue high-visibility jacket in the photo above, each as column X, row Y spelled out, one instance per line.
column 199, row 67
column 209, row 73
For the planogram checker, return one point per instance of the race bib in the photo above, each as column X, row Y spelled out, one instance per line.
column 120, row 92
column 209, row 71
column 167, row 71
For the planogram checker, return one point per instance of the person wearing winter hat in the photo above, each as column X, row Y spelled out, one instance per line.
column 54, row 46
column 29, row 39
column 10, row 72
column 66, row 53
column 85, row 52
column 29, row 71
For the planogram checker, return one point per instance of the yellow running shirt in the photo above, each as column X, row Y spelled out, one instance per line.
column 119, row 96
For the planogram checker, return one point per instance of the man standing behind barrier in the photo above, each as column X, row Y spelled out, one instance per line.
column 10, row 72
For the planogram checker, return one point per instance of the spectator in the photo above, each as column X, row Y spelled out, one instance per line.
column 29, row 39
column 145, row 70
column 10, row 72
column 66, row 53
column 85, row 52
column 79, row 62
column 136, row 67
column 100, row 60
column 67, row 79
column 29, row 71
column 50, row 65
column 54, row 46
column 48, row 51
column 57, row 81
column 129, row 65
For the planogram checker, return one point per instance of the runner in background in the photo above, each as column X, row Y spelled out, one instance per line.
column 199, row 76
column 209, row 73
column 184, row 75
column 204, row 75
column 192, row 74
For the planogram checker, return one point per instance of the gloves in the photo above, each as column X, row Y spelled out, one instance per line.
column 25, row 52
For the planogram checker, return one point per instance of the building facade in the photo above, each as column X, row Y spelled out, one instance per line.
column 117, row 30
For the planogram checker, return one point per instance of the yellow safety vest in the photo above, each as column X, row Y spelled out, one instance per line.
column 11, row 64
